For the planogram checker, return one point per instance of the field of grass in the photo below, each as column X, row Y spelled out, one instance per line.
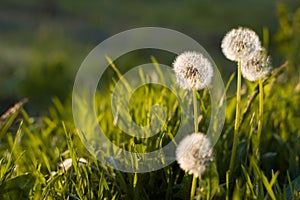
column 42, row 155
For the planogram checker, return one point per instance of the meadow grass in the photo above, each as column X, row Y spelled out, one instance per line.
column 33, row 148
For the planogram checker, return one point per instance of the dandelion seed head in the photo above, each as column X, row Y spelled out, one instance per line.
column 193, row 70
column 240, row 43
column 256, row 67
column 194, row 153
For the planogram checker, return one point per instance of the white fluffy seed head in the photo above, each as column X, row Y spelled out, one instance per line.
column 240, row 43
column 194, row 153
column 256, row 67
column 193, row 70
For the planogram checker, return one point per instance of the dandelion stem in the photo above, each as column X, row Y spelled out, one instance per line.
column 195, row 110
column 194, row 182
column 193, row 188
column 260, row 121
column 237, row 119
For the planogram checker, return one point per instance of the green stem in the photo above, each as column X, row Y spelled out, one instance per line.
column 237, row 119
column 193, row 188
column 260, row 121
column 227, row 186
column 195, row 110
column 194, row 182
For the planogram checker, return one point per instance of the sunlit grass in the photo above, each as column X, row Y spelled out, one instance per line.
column 33, row 148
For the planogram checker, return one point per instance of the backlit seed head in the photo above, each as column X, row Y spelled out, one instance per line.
column 193, row 70
column 240, row 43
column 194, row 153
column 256, row 67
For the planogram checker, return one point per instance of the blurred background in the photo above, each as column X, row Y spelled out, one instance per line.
column 43, row 42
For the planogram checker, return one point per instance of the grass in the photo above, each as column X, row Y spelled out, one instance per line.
column 33, row 147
